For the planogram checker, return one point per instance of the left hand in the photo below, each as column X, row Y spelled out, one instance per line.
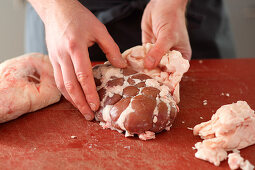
column 163, row 23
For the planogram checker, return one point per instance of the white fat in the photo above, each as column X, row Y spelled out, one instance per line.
column 137, row 81
column 164, row 91
column 102, row 124
column 116, row 90
column 127, row 134
column 235, row 151
column 232, row 127
column 155, row 112
column 155, row 119
column 167, row 102
column 168, row 127
column 214, row 156
column 106, row 113
column 110, row 94
column 113, row 128
column 108, row 72
column 97, row 73
column 247, row 166
column 147, row 135
column 152, row 83
column 123, row 116
column 235, row 161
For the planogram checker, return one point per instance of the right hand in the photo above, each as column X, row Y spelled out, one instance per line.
column 70, row 29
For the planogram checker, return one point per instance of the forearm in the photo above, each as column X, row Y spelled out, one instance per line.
column 50, row 8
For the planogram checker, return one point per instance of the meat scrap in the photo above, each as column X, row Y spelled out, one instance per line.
column 231, row 127
column 235, row 161
column 26, row 85
column 136, row 100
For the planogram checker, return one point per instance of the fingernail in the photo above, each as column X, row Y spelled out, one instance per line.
column 88, row 117
column 92, row 106
column 152, row 60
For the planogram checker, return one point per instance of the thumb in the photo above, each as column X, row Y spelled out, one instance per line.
column 153, row 57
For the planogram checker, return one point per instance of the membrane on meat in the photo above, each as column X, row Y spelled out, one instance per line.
column 26, row 85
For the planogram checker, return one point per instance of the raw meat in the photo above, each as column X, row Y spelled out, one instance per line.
column 169, row 71
column 231, row 127
column 136, row 100
column 26, row 85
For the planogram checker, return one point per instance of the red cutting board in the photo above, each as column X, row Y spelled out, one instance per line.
column 42, row 140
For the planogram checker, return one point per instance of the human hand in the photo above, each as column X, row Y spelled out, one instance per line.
column 70, row 29
column 163, row 23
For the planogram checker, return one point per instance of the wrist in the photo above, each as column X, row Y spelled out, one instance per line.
column 48, row 9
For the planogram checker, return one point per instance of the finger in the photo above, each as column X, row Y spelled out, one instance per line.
column 60, row 83
column 83, row 71
column 185, row 50
column 146, row 37
column 162, row 45
column 111, row 49
column 73, row 88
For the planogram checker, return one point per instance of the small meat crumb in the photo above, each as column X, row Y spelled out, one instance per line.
column 189, row 128
column 227, row 94
column 155, row 119
column 201, row 117
column 222, row 94
column 205, row 102
column 200, row 61
column 127, row 147
column 73, row 137
column 183, row 122
column 168, row 128
column 194, row 148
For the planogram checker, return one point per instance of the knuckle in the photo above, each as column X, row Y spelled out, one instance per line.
column 92, row 98
column 60, row 85
column 69, row 87
column 71, row 45
column 102, row 29
column 82, row 77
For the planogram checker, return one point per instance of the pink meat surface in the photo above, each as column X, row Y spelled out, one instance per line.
column 231, row 127
column 136, row 100
column 26, row 85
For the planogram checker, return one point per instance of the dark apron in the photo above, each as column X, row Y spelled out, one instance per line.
column 208, row 26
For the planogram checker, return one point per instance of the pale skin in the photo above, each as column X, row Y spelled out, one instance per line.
column 71, row 28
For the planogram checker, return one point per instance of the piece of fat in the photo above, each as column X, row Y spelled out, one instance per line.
column 152, row 83
column 232, row 127
column 235, row 161
column 147, row 135
column 213, row 155
column 106, row 113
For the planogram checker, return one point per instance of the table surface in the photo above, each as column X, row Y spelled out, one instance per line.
column 42, row 139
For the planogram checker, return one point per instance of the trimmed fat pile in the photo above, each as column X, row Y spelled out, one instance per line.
column 136, row 100
column 232, row 127
column 26, row 85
